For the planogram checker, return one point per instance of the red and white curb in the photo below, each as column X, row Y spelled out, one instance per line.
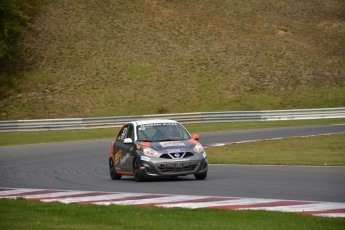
column 327, row 209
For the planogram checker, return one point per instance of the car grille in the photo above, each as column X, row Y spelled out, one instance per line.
column 174, row 156
column 173, row 167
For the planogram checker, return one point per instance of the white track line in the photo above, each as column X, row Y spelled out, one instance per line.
column 268, row 139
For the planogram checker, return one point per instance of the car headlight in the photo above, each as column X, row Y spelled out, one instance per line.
column 150, row 152
column 198, row 148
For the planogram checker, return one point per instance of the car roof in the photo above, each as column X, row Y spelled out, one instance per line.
column 152, row 121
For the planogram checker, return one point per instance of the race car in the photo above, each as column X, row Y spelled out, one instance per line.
column 156, row 148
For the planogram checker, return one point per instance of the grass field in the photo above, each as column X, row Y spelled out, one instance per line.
column 91, row 58
column 15, row 214
column 320, row 150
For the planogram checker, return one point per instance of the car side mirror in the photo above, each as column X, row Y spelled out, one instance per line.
column 195, row 137
column 128, row 141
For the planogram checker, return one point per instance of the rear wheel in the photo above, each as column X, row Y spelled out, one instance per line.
column 138, row 177
column 200, row 176
column 113, row 174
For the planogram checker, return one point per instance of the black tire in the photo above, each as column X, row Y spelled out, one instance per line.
column 138, row 177
column 113, row 174
column 200, row 176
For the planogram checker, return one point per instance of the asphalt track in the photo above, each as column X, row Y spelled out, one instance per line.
column 82, row 165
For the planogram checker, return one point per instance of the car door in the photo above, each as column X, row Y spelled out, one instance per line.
column 127, row 151
column 118, row 147
column 123, row 153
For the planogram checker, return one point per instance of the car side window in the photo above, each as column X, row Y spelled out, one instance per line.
column 130, row 133
column 123, row 133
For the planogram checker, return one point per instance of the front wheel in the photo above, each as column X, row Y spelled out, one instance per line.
column 138, row 176
column 200, row 176
column 113, row 174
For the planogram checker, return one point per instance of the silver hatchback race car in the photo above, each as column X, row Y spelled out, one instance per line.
column 156, row 148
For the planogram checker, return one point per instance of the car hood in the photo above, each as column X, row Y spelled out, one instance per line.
column 172, row 146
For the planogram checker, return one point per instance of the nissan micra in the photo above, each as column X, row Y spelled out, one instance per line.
column 156, row 148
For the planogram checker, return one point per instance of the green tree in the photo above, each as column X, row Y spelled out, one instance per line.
column 12, row 19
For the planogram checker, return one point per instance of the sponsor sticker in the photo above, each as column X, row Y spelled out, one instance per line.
column 157, row 124
column 175, row 150
column 143, row 127
column 181, row 161
column 171, row 144
column 143, row 158
column 125, row 158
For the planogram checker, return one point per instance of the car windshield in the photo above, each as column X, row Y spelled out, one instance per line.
column 156, row 132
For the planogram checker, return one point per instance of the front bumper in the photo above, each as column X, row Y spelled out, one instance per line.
column 158, row 167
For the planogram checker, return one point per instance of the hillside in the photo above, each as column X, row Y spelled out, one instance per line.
column 112, row 57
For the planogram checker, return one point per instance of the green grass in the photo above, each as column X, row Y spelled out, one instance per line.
column 87, row 59
column 22, row 214
column 319, row 150
column 15, row 138
column 208, row 127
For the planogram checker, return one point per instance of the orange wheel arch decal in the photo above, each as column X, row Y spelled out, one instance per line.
column 124, row 173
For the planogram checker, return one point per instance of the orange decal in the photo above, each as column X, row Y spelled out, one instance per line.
column 111, row 152
column 117, row 156
column 192, row 141
column 124, row 173
column 147, row 144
